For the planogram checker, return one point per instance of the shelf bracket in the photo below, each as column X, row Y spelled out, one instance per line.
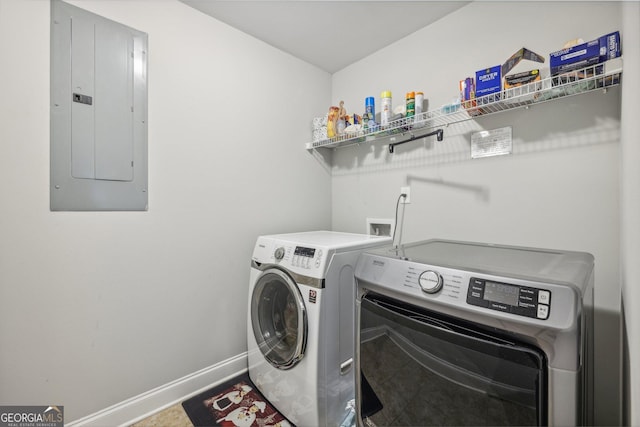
column 439, row 133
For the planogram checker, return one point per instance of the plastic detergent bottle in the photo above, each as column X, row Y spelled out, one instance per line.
column 386, row 109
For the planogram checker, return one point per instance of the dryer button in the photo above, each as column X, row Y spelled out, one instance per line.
column 543, row 311
column 544, row 297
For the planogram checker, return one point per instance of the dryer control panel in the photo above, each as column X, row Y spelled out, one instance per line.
column 509, row 298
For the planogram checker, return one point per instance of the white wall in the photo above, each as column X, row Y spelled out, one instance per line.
column 630, row 236
column 559, row 188
column 99, row 307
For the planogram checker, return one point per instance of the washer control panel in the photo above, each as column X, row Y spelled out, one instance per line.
column 305, row 257
column 509, row 298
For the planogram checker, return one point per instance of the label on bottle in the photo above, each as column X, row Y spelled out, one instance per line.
column 411, row 105
column 385, row 114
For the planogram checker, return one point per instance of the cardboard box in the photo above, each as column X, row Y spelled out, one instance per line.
column 523, row 87
column 517, row 57
column 610, row 46
column 576, row 57
column 520, row 79
column 467, row 89
column 468, row 96
column 585, row 54
column 489, row 81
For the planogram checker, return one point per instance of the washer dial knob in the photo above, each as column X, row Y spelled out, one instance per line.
column 430, row 281
column 279, row 253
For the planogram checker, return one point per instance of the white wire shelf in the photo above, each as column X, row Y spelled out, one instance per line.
column 596, row 77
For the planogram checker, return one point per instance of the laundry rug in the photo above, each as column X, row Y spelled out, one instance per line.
column 236, row 402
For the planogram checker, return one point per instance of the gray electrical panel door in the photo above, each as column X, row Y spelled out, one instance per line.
column 98, row 112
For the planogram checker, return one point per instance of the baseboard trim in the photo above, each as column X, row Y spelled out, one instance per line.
column 139, row 407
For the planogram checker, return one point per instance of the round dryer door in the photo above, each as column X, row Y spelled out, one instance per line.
column 279, row 319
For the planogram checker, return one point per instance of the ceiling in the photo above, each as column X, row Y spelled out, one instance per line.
column 330, row 34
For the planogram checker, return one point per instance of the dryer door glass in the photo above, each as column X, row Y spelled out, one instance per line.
column 279, row 319
column 419, row 368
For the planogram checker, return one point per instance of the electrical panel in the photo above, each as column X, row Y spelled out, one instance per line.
column 98, row 113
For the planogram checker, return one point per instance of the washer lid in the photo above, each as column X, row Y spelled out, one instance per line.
column 533, row 263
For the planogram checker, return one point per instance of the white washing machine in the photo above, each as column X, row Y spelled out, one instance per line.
column 301, row 322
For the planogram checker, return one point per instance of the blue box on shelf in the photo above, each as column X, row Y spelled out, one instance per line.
column 610, row 46
column 585, row 54
column 488, row 82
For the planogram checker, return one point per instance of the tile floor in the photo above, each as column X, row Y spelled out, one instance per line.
column 174, row 416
